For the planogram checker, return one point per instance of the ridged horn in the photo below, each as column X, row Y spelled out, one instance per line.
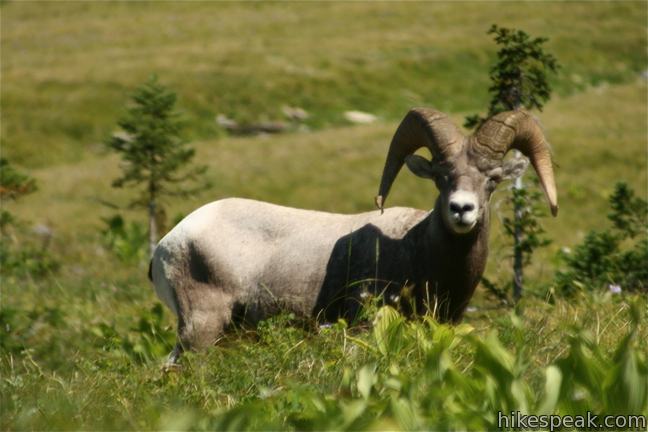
column 420, row 127
column 518, row 130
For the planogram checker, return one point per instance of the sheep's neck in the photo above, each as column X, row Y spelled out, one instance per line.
column 455, row 263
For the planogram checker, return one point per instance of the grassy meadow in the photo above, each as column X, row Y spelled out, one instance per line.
column 82, row 346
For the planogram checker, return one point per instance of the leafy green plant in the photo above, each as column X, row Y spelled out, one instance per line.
column 443, row 394
column 149, row 340
column 593, row 381
column 19, row 255
column 614, row 258
column 28, row 260
column 402, row 374
column 629, row 213
column 125, row 240
column 13, row 185
column 9, row 340
column 32, row 330
column 530, row 233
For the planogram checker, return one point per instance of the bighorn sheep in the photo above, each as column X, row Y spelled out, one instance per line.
column 238, row 259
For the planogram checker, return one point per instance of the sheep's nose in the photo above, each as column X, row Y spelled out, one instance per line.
column 462, row 210
column 461, row 207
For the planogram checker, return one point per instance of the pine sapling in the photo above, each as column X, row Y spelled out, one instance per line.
column 13, row 185
column 154, row 154
column 519, row 80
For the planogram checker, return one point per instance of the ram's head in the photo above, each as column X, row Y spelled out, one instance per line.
column 466, row 170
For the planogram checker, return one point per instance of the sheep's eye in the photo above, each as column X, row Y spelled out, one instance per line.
column 443, row 178
column 493, row 181
column 495, row 176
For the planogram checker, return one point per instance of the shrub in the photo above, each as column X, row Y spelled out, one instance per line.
column 615, row 258
column 125, row 240
column 34, row 330
column 19, row 254
column 27, row 260
column 149, row 340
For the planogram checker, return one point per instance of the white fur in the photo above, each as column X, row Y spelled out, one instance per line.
column 462, row 221
column 163, row 288
column 262, row 250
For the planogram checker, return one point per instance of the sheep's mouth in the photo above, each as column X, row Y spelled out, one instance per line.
column 461, row 227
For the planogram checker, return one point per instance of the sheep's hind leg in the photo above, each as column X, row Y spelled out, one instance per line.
column 204, row 328
column 205, row 312
column 197, row 330
column 172, row 362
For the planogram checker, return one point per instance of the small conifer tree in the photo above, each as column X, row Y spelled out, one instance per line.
column 519, row 77
column 13, row 185
column 519, row 80
column 154, row 154
column 19, row 256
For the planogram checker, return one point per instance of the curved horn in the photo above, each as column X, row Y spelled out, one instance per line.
column 519, row 130
column 420, row 127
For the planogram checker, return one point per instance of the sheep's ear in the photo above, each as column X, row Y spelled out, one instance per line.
column 514, row 168
column 420, row 166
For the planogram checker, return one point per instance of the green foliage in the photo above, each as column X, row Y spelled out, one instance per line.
column 614, row 258
column 19, row 256
column 441, row 394
column 125, row 240
column 154, row 153
column 150, row 340
column 21, row 327
column 151, row 146
column 388, row 330
column 519, row 77
column 530, row 208
column 616, row 384
column 629, row 213
column 26, row 260
column 13, row 185
column 8, row 342
column 102, row 372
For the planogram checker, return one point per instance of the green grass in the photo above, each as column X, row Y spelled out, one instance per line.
column 82, row 347
column 71, row 368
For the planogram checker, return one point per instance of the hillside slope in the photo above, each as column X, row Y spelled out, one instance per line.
column 67, row 67
column 598, row 138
